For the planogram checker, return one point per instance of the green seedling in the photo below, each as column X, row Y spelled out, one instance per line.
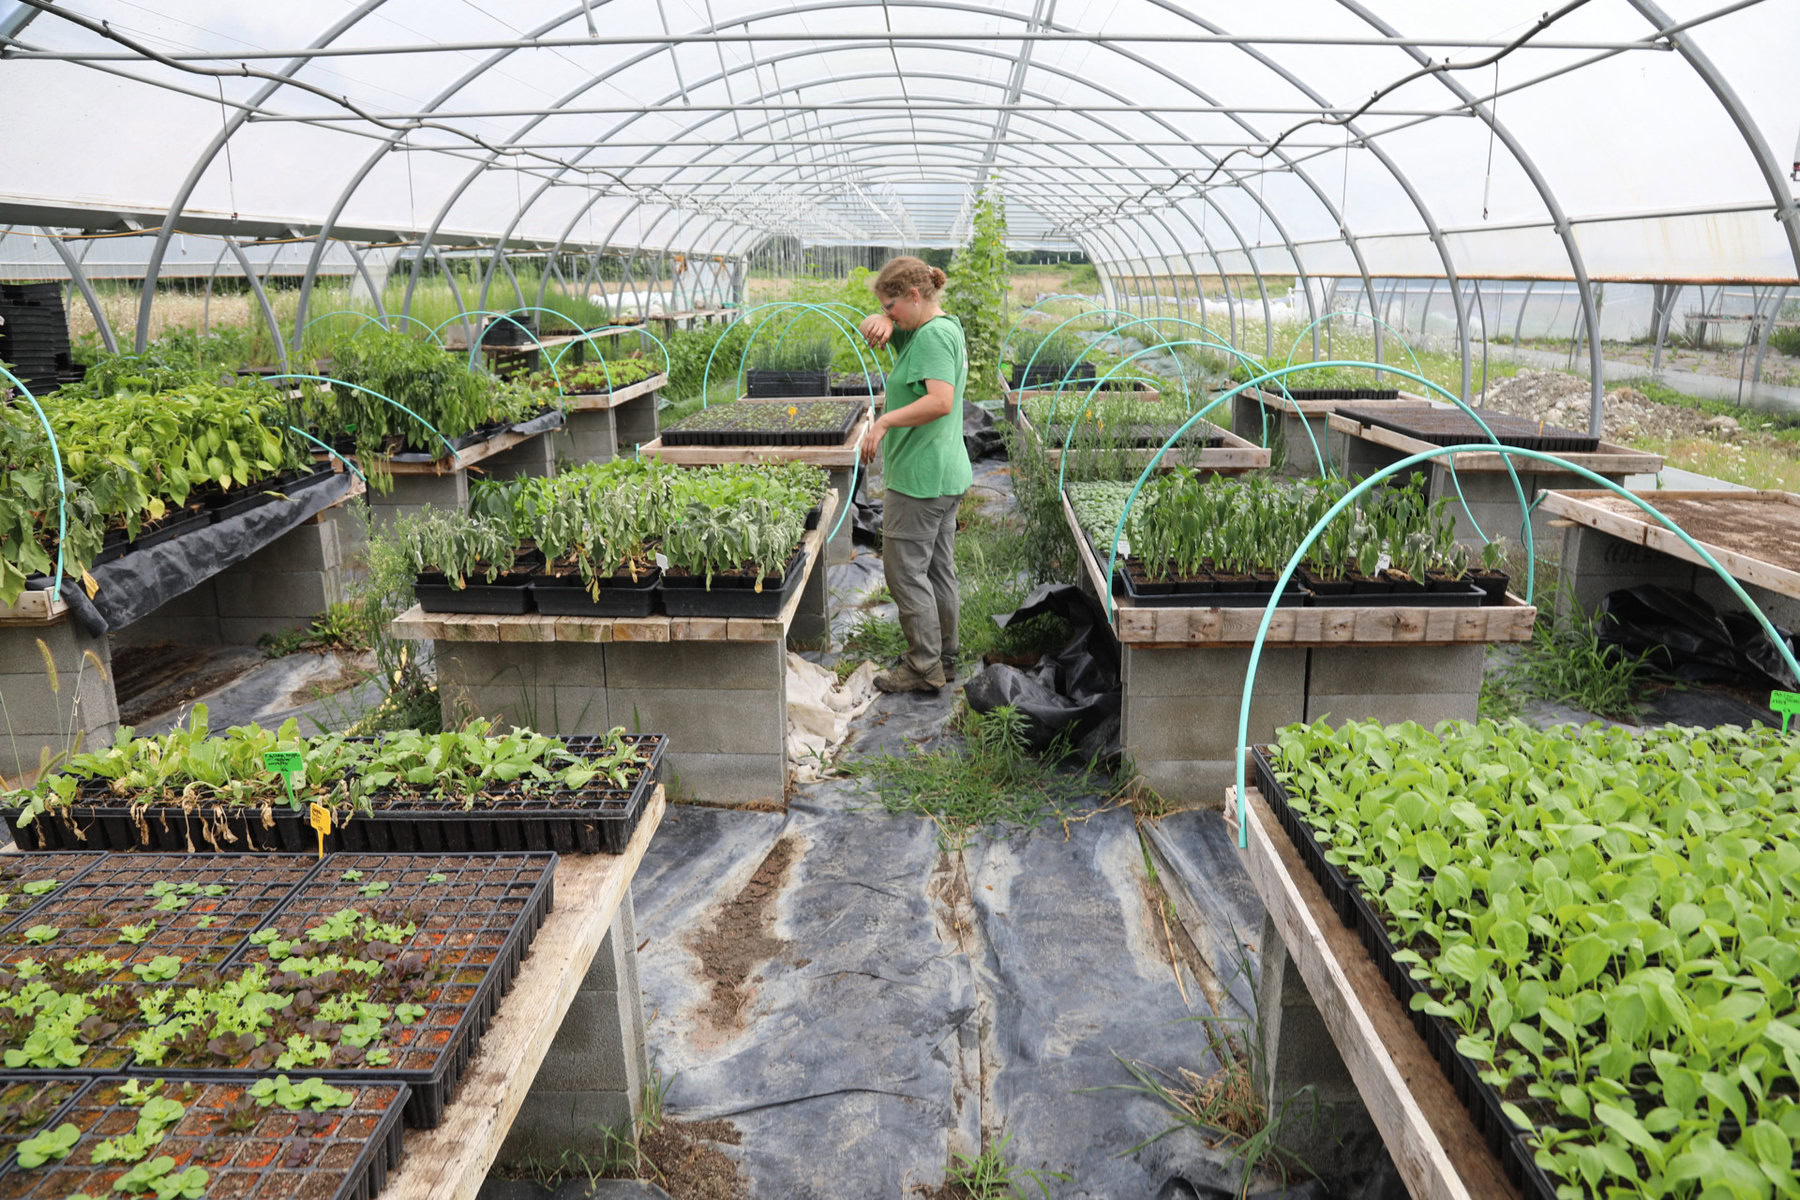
column 37, row 935
column 134, row 935
column 39, row 887
column 48, row 1146
column 160, row 969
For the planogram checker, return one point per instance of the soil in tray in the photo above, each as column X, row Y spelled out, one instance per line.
column 1453, row 427
column 247, row 1151
column 28, row 1106
column 135, row 908
column 23, row 879
column 809, row 422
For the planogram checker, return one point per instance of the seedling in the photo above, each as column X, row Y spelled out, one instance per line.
column 53, row 1144
column 37, row 935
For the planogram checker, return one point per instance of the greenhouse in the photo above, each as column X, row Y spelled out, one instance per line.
column 966, row 599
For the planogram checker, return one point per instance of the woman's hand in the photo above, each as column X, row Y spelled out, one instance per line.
column 872, row 440
column 876, row 329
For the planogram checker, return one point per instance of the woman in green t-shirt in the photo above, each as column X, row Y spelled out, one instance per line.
column 924, row 466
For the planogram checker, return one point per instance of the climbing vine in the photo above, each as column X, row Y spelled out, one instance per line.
column 977, row 293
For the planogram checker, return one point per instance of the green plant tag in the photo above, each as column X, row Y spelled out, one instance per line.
column 284, row 763
column 1787, row 704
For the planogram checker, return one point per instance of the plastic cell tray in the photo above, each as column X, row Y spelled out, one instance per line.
column 1454, row 427
column 343, row 1154
column 688, row 596
column 619, row 596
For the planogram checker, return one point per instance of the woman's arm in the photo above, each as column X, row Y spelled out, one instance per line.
column 938, row 401
column 877, row 329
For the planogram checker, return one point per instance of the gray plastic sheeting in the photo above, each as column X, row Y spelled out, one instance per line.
column 922, row 1002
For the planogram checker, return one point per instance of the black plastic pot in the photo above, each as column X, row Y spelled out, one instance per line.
column 508, row 595
column 1221, row 594
column 1492, row 583
column 619, row 596
column 688, row 595
column 170, row 527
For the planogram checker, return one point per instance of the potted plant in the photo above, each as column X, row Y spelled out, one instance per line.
column 447, row 550
column 790, row 366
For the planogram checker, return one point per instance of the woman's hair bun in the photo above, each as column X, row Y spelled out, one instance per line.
column 938, row 278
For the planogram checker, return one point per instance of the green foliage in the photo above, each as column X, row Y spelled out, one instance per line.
column 37, row 935
column 596, row 377
column 129, row 456
column 156, row 1115
column 791, row 353
column 160, row 1177
column 1567, row 662
column 339, row 627
column 877, row 638
column 310, row 1093
column 989, row 1176
column 1605, row 919
column 458, row 545
column 51, row 1144
column 992, row 779
column 977, row 293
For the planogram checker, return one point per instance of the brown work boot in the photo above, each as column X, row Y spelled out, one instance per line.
column 904, row 679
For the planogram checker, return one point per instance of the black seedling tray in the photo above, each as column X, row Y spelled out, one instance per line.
column 17, row 870
column 1048, row 376
column 1453, row 427
column 99, row 821
column 619, row 596
column 488, row 905
column 1466, row 595
column 204, row 930
column 363, row 1144
column 172, row 527
column 593, row 821
column 1504, row 1139
column 858, row 385
column 53, row 1092
column 1293, row 596
column 766, row 384
column 500, row 597
column 836, row 435
column 1274, row 389
column 688, row 596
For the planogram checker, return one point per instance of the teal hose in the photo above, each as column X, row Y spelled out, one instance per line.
column 62, row 484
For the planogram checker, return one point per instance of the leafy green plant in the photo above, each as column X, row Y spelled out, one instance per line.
column 37, row 935
column 978, row 290
column 789, row 353
column 160, row 1176
column 1584, row 908
column 134, row 935
column 156, row 1115
column 52, row 1144
column 159, row 969
column 310, row 1093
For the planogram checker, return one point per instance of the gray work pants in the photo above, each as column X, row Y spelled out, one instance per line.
column 918, row 557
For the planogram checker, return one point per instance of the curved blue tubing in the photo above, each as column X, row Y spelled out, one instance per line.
column 1150, row 467
column 1006, row 341
column 371, row 392
column 1510, row 452
column 593, row 335
column 62, row 485
column 824, row 310
column 350, row 464
column 392, row 317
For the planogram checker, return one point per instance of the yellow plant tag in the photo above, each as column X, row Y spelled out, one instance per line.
column 793, row 410
column 90, row 583
column 320, row 818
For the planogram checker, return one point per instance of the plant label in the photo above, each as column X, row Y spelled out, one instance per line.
column 284, row 762
column 320, row 818
column 1787, row 704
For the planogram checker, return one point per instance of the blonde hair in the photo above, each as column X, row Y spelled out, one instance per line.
column 902, row 274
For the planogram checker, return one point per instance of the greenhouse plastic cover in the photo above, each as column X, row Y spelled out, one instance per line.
column 1613, row 139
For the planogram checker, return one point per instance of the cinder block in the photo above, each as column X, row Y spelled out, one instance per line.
column 65, row 640
column 551, row 1126
column 411, row 493
column 613, row 964
column 83, row 696
column 181, row 631
column 576, row 710
column 1396, row 669
column 712, row 665
column 534, row 457
column 1202, row 672
column 811, row 629
column 1298, row 1051
column 635, row 421
column 1187, row 783
column 276, row 594
column 704, row 721
column 1783, row 610
column 311, row 546
column 589, row 437
column 522, row 707
column 247, row 631
column 1427, row 708
column 1595, row 563
column 1163, row 728
column 726, row 779
column 595, row 1049
column 517, row 664
column 841, row 548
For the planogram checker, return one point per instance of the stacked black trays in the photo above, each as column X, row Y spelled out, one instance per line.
column 764, row 384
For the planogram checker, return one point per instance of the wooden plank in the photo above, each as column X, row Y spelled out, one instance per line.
column 451, row 1162
column 640, row 629
column 699, row 629
column 582, row 629
column 526, row 627
column 410, row 626
column 1601, row 510
column 1609, row 459
column 1428, row 1132
column 841, row 455
column 35, row 608
column 601, row 401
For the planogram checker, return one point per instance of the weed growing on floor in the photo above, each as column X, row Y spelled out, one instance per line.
column 339, row 627
column 873, row 637
column 1227, row 1107
column 991, row 779
column 1566, row 662
column 995, row 572
column 988, row 1176
column 1501, row 697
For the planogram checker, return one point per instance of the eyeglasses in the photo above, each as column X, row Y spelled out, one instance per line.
column 889, row 304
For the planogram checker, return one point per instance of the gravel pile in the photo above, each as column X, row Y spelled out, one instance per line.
column 1558, row 399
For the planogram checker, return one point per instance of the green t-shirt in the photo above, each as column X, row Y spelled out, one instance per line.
column 927, row 461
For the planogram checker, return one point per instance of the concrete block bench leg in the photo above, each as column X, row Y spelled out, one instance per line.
column 283, row 586
column 588, row 1094
column 589, row 437
column 635, row 422
column 532, row 458
column 1302, row 1078
column 840, row 549
column 811, row 629
column 39, row 716
column 1426, row 684
column 411, row 493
